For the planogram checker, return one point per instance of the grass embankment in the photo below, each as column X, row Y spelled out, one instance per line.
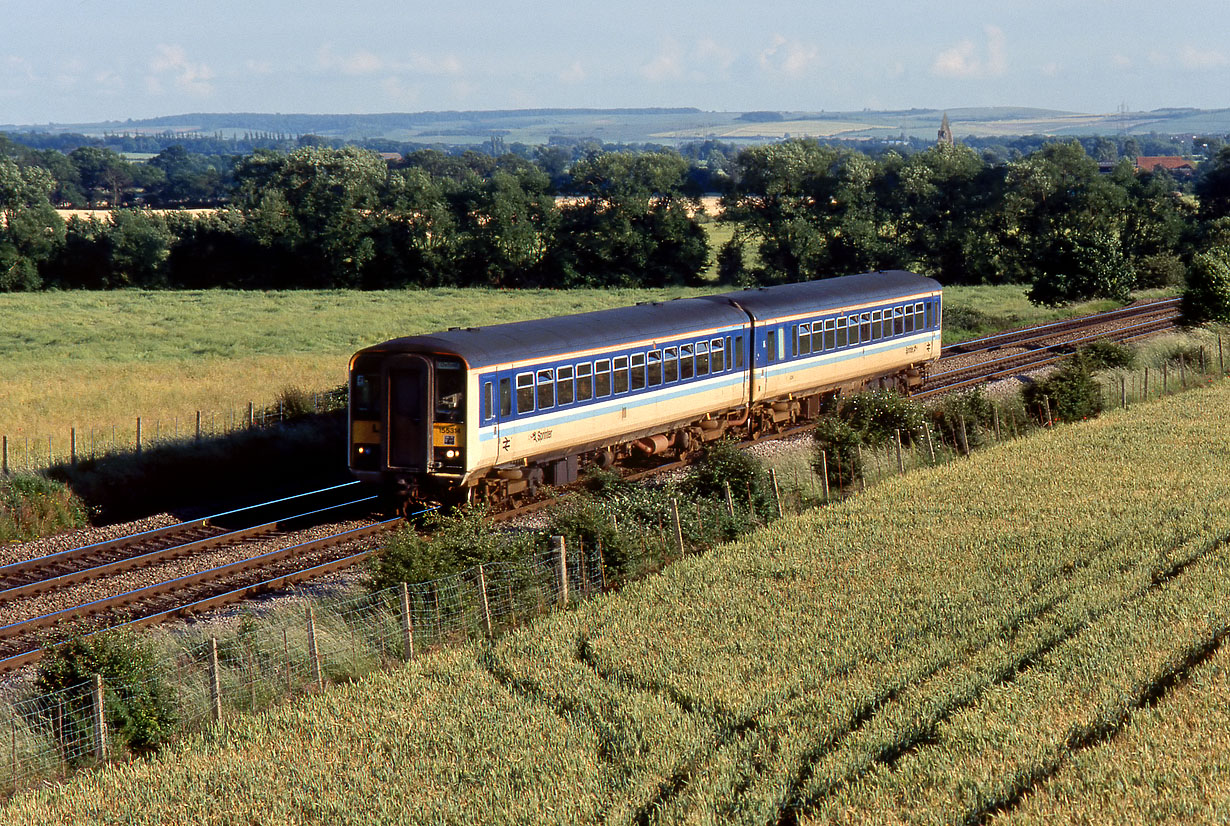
column 939, row 649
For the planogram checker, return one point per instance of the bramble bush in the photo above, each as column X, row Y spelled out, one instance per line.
column 139, row 704
column 32, row 506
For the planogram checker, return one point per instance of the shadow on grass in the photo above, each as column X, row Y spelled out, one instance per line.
column 193, row 479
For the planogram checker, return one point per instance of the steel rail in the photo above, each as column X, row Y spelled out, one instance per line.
column 161, row 554
column 991, row 342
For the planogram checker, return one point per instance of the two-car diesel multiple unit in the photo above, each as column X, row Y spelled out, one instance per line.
column 490, row 413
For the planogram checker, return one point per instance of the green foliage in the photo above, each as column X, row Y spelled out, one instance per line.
column 878, row 415
column 32, row 506
column 840, row 442
column 973, row 408
column 1107, row 355
column 138, row 701
column 1071, row 393
column 458, row 540
column 1208, row 287
column 589, row 521
column 725, row 463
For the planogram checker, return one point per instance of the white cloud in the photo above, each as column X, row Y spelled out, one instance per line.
column 714, row 55
column 1050, row 69
column 789, row 57
column 188, row 77
column 964, row 60
column 573, row 73
column 1121, row 62
column 356, row 63
column 1200, row 60
column 666, row 65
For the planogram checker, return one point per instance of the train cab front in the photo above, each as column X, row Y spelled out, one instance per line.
column 407, row 425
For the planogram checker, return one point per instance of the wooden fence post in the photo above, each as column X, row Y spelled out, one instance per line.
column 900, row 458
column 72, row 446
column 215, row 682
column 4, row 455
column 318, row 676
column 676, row 526
column 562, row 552
column 1123, row 392
column 100, row 721
column 138, row 434
column 482, row 587
column 407, row 628
column 777, row 496
column 251, row 415
column 198, row 427
column 964, row 436
column 824, row 473
column 1146, row 387
column 862, row 468
column 730, row 502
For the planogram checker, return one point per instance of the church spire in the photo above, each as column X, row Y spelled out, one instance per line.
column 945, row 135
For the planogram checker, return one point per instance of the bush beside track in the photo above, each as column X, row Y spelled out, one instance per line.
column 947, row 642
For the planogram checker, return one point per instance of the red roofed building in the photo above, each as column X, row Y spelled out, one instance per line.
column 1179, row 167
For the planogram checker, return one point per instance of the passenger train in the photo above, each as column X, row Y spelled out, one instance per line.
column 491, row 413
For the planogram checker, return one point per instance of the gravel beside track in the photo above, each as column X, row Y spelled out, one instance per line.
column 21, row 551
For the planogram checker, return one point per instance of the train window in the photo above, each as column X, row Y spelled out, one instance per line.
column 364, row 393
column 670, row 361
column 638, row 371
column 655, row 367
column 719, row 355
column 702, row 358
column 488, row 400
column 738, row 352
column 729, row 351
column 898, row 321
column 794, row 341
column 865, row 333
column 851, row 331
column 450, row 390
column 563, row 386
column 602, row 378
column 585, row 381
column 687, row 364
column 830, row 334
column 546, row 389
column 930, row 316
column 804, row 339
column 919, row 322
column 505, row 398
column 525, row 392
column 771, row 344
column 876, row 333
column 621, row 374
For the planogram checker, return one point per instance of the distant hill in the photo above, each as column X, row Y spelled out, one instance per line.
column 656, row 125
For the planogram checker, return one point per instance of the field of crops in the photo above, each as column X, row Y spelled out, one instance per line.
column 998, row 638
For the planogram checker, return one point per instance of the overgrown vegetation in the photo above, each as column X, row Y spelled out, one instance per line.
column 139, row 704
column 32, row 506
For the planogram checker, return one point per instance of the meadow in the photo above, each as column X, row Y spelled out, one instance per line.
column 990, row 640
column 95, row 361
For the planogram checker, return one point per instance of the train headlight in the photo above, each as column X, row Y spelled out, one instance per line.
column 450, row 454
column 363, row 451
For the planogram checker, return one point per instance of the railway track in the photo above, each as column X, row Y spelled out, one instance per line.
column 975, row 362
column 275, row 560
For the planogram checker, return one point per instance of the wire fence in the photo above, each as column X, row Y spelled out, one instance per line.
column 283, row 654
column 32, row 453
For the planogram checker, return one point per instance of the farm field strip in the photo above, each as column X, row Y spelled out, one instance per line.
column 1179, row 745
column 942, row 647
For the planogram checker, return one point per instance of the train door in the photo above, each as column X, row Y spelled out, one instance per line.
column 410, row 396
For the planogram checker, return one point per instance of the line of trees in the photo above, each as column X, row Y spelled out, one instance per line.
column 325, row 216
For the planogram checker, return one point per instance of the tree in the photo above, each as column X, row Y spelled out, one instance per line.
column 30, row 228
column 104, row 174
column 317, row 204
column 1213, row 186
column 1207, row 297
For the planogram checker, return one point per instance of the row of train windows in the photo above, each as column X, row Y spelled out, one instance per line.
column 557, row 386
column 833, row 334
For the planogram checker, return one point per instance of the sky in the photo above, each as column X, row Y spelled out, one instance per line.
column 77, row 61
